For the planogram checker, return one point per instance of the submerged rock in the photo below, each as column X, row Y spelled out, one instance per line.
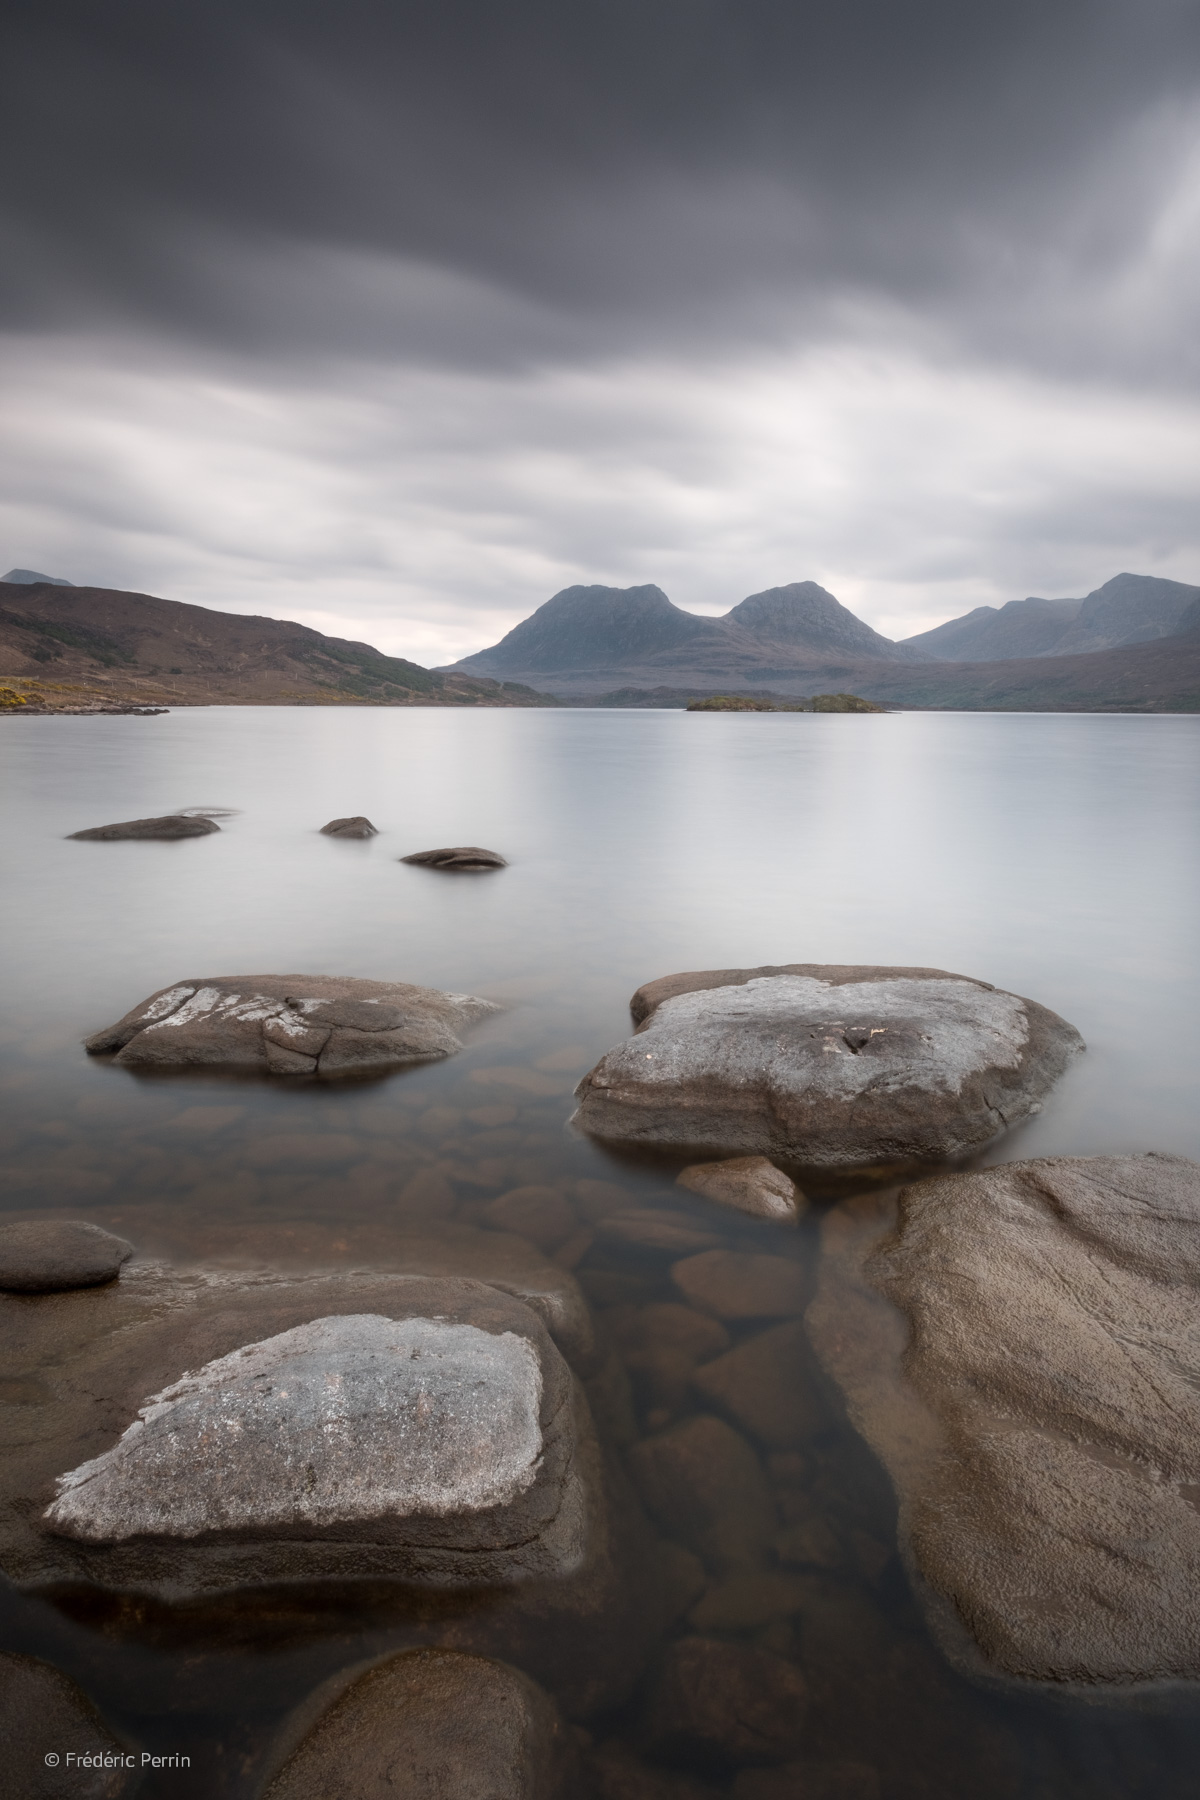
column 171, row 825
column 833, row 1067
column 458, row 856
column 357, row 827
column 45, row 1256
column 737, row 1284
column 43, row 1714
column 428, row 1723
column 290, row 1025
column 1042, row 1427
column 749, row 1184
column 705, row 1486
column 733, row 1703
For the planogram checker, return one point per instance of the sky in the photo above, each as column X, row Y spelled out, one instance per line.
column 397, row 316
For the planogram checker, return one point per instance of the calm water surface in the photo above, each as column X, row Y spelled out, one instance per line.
column 1056, row 856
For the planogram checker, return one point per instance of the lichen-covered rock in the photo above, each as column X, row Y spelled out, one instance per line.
column 749, row 1184
column 457, row 856
column 428, row 1723
column 832, row 1067
column 43, row 1713
column 356, row 827
column 290, row 1025
column 349, row 1420
column 336, row 1428
column 1037, row 1403
column 46, row 1256
column 171, row 825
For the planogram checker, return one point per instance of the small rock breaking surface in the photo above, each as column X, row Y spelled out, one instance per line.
column 1036, row 1400
column 357, row 827
column 171, row 825
column 428, row 1723
column 748, row 1184
column 290, row 1025
column 458, row 856
column 827, row 1066
column 48, row 1256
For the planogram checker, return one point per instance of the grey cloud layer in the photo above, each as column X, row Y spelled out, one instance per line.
column 614, row 172
column 397, row 316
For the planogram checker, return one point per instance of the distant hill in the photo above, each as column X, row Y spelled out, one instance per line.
column 586, row 639
column 25, row 577
column 1129, row 609
column 65, row 646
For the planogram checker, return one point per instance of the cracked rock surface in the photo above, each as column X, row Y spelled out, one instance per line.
column 290, row 1025
column 826, row 1066
column 1036, row 1400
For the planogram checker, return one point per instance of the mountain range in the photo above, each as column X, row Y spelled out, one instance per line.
column 1131, row 645
column 589, row 640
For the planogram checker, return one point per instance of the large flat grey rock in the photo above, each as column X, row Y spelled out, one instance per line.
column 1032, row 1382
column 828, row 1066
column 346, row 1419
column 207, row 1432
column 290, row 1025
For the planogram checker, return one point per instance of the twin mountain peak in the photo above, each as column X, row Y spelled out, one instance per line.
column 587, row 634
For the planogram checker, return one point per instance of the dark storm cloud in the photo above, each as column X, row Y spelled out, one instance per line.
column 561, row 179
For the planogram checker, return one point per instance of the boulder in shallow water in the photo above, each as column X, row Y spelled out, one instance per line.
column 829, row 1066
column 46, row 1256
column 749, row 1184
column 726, row 1702
column 428, row 1723
column 1037, row 1403
column 290, row 1025
column 42, row 1714
column 171, row 825
column 357, row 827
column 434, row 1440
column 457, row 856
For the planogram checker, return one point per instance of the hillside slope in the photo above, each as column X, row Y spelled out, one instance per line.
column 1129, row 609
column 71, row 647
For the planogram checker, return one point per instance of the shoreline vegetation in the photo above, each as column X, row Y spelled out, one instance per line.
column 820, row 703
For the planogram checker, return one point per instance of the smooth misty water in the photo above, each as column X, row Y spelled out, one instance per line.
column 1056, row 856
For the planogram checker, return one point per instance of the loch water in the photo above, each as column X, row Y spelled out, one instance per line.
column 1056, row 856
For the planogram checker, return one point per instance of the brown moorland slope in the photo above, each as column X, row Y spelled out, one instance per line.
column 87, row 649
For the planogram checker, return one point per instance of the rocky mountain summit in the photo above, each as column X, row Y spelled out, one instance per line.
column 1129, row 609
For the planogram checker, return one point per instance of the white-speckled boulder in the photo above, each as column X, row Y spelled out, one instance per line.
column 355, row 1445
column 827, row 1066
column 410, row 1428
column 1034, row 1391
column 290, row 1025
column 428, row 1723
